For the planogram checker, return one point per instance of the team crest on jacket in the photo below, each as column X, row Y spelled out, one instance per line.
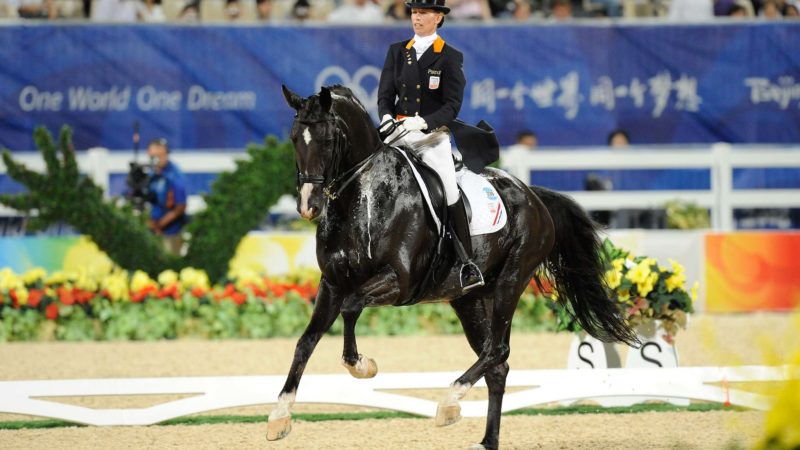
column 433, row 83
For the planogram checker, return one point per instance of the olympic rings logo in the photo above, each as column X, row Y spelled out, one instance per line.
column 363, row 83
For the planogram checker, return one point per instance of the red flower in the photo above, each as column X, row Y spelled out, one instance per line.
column 168, row 291
column 35, row 297
column 82, row 297
column 198, row 292
column 257, row 291
column 65, row 296
column 51, row 312
column 238, row 297
column 229, row 290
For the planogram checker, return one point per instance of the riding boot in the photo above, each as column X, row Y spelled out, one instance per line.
column 470, row 275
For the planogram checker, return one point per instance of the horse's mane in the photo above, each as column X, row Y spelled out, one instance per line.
column 344, row 96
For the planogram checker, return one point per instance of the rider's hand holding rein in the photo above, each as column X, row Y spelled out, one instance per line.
column 389, row 128
column 414, row 123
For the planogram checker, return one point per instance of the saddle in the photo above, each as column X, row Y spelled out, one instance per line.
column 432, row 188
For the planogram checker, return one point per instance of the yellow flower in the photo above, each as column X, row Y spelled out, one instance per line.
column 22, row 295
column 34, row 275
column 639, row 272
column 57, row 277
column 84, row 281
column 675, row 281
column 167, row 277
column 694, row 291
column 613, row 278
column 142, row 280
column 194, row 278
column 247, row 277
column 646, row 286
column 9, row 280
column 117, row 285
column 618, row 264
column 677, row 268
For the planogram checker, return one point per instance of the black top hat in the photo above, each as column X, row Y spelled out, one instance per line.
column 436, row 5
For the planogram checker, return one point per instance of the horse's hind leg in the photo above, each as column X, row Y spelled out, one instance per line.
column 380, row 289
column 474, row 316
column 326, row 310
column 494, row 319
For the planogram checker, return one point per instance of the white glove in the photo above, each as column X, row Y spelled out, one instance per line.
column 415, row 123
column 386, row 122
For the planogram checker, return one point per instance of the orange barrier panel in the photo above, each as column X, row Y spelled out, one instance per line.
column 752, row 271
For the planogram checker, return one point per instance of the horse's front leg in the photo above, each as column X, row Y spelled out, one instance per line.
column 326, row 309
column 381, row 289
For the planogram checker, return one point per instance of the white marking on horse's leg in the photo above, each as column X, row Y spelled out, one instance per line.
column 305, row 193
column 279, row 423
column 448, row 411
column 307, row 136
column 457, row 392
column 282, row 409
column 364, row 368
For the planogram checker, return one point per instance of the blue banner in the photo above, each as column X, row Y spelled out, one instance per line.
column 219, row 87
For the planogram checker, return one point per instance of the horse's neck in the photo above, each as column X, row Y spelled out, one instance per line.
column 363, row 140
column 357, row 208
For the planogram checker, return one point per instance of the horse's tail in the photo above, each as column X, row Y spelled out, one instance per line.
column 576, row 267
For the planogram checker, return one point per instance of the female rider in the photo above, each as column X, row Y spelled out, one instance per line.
column 422, row 86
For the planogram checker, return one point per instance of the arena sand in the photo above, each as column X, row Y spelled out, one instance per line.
column 710, row 340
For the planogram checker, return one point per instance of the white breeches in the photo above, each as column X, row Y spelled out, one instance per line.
column 434, row 149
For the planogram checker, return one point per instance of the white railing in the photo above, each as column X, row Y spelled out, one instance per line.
column 720, row 159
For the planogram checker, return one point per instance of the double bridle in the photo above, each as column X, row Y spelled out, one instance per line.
column 338, row 181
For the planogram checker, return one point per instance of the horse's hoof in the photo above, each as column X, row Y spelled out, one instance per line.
column 364, row 367
column 476, row 447
column 447, row 414
column 279, row 428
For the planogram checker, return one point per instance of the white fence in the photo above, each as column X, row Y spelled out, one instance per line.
column 720, row 159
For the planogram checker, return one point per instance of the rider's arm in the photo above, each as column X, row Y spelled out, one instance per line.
column 453, row 83
column 386, row 87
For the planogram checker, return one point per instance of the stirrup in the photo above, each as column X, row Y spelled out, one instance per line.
column 470, row 266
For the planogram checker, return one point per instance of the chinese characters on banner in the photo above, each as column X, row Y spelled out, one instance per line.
column 657, row 93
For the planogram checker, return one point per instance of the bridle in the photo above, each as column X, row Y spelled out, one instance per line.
column 338, row 181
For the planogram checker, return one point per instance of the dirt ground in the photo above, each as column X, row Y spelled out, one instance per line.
column 710, row 340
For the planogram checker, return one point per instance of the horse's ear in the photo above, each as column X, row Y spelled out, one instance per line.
column 325, row 99
column 294, row 100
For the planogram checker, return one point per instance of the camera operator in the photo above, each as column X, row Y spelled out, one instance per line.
column 167, row 196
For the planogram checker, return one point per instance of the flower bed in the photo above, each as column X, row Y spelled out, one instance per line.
column 123, row 306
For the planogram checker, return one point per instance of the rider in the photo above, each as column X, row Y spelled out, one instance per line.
column 422, row 86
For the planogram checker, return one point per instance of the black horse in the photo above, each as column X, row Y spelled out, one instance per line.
column 375, row 242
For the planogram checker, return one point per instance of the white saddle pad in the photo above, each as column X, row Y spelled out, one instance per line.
column 488, row 211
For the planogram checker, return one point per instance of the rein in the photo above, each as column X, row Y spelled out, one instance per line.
column 348, row 176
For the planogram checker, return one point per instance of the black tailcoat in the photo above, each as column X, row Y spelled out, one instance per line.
column 432, row 87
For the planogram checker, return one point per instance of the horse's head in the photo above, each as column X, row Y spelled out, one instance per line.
column 317, row 141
